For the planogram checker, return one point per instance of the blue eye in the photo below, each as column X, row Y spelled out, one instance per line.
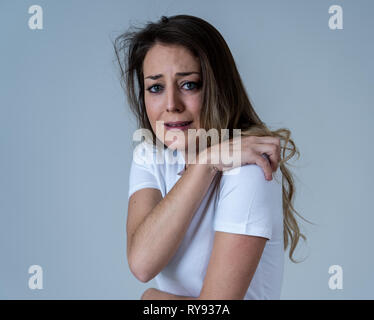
column 155, row 85
column 195, row 85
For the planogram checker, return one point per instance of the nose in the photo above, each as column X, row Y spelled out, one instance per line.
column 173, row 101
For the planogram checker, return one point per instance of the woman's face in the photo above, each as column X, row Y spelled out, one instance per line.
column 172, row 83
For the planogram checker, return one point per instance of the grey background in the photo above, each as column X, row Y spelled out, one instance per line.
column 66, row 130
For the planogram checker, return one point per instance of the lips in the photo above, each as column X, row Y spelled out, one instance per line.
column 177, row 124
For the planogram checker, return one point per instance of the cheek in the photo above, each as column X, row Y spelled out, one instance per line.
column 195, row 106
column 152, row 110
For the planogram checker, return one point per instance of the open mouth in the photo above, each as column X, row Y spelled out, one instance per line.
column 178, row 125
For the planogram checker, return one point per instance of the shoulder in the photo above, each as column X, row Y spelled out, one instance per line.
column 143, row 153
column 241, row 173
column 248, row 203
column 146, row 153
column 250, row 179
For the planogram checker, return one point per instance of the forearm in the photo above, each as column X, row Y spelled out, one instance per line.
column 155, row 294
column 158, row 237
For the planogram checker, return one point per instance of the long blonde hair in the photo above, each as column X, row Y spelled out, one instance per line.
column 225, row 102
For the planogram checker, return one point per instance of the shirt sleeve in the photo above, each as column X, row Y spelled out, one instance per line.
column 142, row 173
column 248, row 202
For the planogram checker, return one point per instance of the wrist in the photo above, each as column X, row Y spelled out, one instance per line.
column 204, row 158
column 207, row 169
column 203, row 163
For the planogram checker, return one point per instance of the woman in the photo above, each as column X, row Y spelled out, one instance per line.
column 180, row 69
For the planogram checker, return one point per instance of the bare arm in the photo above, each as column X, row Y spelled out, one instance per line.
column 231, row 268
column 155, row 294
column 156, row 226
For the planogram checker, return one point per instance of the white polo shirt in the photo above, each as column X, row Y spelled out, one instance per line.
column 247, row 204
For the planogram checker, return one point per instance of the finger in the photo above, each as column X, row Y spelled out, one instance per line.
column 271, row 150
column 265, row 165
column 265, row 139
column 274, row 160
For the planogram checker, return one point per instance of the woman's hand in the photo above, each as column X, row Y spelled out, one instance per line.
column 263, row 151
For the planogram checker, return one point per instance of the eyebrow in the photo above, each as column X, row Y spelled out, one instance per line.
column 157, row 76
